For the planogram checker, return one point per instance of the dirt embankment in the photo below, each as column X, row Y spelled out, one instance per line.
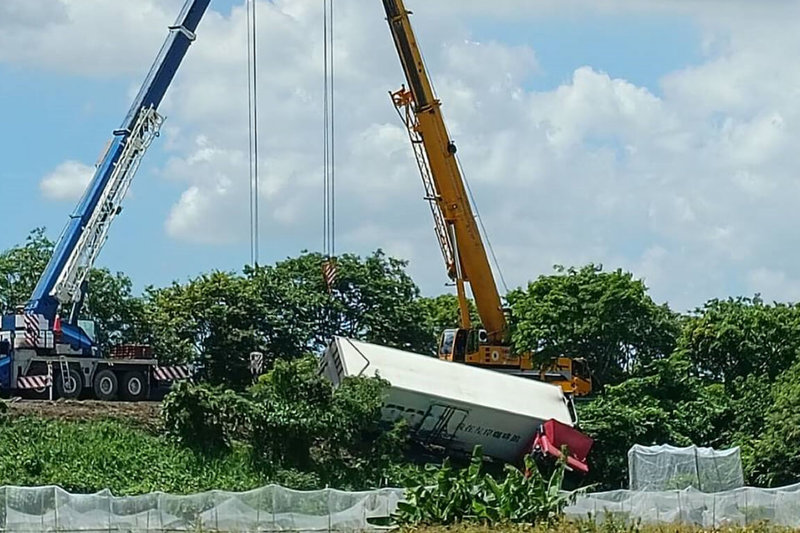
column 144, row 414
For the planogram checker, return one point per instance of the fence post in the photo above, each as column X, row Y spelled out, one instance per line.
column 55, row 509
column 714, row 511
column 328, row 494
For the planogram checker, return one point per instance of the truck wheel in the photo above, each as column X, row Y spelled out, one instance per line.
column 69, row 386
column 105, row 385
column 134, row 386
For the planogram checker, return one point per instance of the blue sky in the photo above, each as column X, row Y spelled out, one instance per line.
column 53, row 115
column 57, row 117
column 638, row 47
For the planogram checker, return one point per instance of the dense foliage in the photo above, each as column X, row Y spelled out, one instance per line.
column 725, row 374
column 297, row 427
column 90, row 456
column 284, row 311
column 447, row 496
column 605, row 317
column 20, row 268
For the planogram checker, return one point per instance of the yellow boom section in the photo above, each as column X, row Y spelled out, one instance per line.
column 470, row 263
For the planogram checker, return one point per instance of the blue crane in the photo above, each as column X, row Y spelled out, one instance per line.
column 62, row 282
column 35, row 338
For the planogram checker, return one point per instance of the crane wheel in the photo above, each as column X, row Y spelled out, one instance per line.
column 69, row 386
column 106, row 385
column 134, row 386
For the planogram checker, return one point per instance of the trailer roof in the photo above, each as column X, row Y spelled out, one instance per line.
column 460, row 382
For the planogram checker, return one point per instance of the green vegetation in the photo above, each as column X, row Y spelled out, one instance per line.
column 90, row 456
column 297, row 429
column 447, row 496
column 710, row 377
column 290, row 428
column 591, row 527
column 605, row 317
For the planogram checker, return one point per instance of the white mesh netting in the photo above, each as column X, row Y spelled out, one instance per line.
column 691, row 485
column 743, row 506
column 270, row 508
column 275, row 508
column 668, row 467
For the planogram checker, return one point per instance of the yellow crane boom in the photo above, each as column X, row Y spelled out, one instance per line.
column 462, row 244
column 456, row 229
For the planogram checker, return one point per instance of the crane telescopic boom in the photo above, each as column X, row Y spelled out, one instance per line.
column 457, row 230
column 459, row 234
column 63, row 280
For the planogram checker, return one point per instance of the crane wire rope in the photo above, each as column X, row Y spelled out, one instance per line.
column 483, row 227
column 329, row 144
column 477, row 215
column 252, row 109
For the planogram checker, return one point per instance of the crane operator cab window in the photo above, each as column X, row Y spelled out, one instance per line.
column 580, row 368
column 446, row 343
column 460, row 346
column 453, row 345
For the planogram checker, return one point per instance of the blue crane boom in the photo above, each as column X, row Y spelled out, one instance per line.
column 63, row 280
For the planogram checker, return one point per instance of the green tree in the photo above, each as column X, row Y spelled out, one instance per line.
column 740, row 337
column 668, row 406
column 373, row 299
column 209, row 320
column 304, row 425
column 20, row 268
column 605, row 317
column 773, row 457
column 118, row 315
column 297, row 427
column 284, row 310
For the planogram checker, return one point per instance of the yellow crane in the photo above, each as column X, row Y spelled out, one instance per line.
column 457, row 231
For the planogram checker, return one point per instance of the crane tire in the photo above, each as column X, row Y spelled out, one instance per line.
column 106, row 385
column 134, row 386
column 74, row 384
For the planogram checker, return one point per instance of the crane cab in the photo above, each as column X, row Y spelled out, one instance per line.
column 472, row 346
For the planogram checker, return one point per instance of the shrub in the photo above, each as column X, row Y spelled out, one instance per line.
column 205, row 418
column 455, row 496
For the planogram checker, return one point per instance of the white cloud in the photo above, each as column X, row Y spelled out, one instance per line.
column 693, row 186
column 90, row 37
column 67, row 181
column 32, row 14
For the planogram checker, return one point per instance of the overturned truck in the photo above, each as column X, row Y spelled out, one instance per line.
column 457, row 407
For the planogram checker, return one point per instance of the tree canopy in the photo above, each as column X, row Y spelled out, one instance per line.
column 20, row 268
column 605, row 317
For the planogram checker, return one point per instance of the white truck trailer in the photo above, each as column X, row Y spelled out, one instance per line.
column 460, row 406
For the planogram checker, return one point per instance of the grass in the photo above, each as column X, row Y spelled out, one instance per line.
column 85, row 457
column 590, row 527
